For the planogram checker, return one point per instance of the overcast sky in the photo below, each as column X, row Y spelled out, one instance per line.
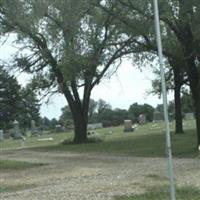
column 127, row 86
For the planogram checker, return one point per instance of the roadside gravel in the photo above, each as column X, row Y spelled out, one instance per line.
column 91, row 176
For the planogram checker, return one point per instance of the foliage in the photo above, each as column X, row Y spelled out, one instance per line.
column 9, row 98
column 71, row 44
column 16, row 103
column 136, row 109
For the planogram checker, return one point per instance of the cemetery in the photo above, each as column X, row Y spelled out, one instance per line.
column 99, row 100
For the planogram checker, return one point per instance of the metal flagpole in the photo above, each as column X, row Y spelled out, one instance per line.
column 165, row 103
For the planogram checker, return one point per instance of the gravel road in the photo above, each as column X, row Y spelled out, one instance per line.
column 91, row 176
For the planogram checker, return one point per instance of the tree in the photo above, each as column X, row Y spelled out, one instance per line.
column 71, row 44
column 9, row 99
column 92, row 108
column 136, row 109
column 175, row 80
column 29, row 107
column 46, row 123
column 187, row 102
column 102, row 106
column 66, row 117
column 16, row 103
column 180, row 33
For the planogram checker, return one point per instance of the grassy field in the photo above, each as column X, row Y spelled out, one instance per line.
column 147, row 141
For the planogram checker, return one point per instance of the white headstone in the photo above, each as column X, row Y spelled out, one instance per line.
column 1, row 135
column 128, row 125
column 17, row 132
column 142, row 119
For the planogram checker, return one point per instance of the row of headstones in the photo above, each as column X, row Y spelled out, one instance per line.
column 157, row 117
column 17, row 134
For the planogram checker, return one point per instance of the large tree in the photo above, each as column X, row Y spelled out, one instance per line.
column 69, row 44
column 180, row 33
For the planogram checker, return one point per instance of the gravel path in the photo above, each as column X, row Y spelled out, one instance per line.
column 91, row 176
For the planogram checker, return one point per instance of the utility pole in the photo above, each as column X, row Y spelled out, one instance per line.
column 165, row 102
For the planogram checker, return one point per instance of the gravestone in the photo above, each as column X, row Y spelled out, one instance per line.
column 35, row 131
column 1, row 135
column 189, row 116
column 128, row 126
column 59, row 128
column 157, row 116
column 142, row 119
column 17, row 132
column 95, row 126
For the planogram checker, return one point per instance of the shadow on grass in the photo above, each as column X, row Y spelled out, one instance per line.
column 184, row 193
column 150, row 145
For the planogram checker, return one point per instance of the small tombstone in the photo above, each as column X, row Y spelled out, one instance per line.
column 35, row 131
column 157, row 116
column 1, row 135
column 128, row 126
column 17, row 132
column 59, row 128
column 189, row 116
column 142, row 119
column 95, row 126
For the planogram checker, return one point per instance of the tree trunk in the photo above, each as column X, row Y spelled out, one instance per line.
column 177, row 99
column 79, row 110
column 80, row 129
column 178, row 112
column 194, row 79
column 197, row 114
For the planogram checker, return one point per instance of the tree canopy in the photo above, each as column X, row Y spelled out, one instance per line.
column 68, row 45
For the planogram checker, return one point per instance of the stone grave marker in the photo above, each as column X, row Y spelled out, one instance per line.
column 17, row 132
column 142, row 119
column 95, row 126
column 128, row 126
column 1, row 135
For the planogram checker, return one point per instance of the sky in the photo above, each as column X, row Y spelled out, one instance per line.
column 129, row 85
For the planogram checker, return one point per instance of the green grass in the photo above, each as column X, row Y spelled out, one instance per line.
column 17, row 165
column 146, row 141
column 184, row 193
column 14, row 188
column 135, row 144
column 33, row 141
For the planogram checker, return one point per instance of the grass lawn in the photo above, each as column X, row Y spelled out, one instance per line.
column 185, row 193
column 147, row 141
